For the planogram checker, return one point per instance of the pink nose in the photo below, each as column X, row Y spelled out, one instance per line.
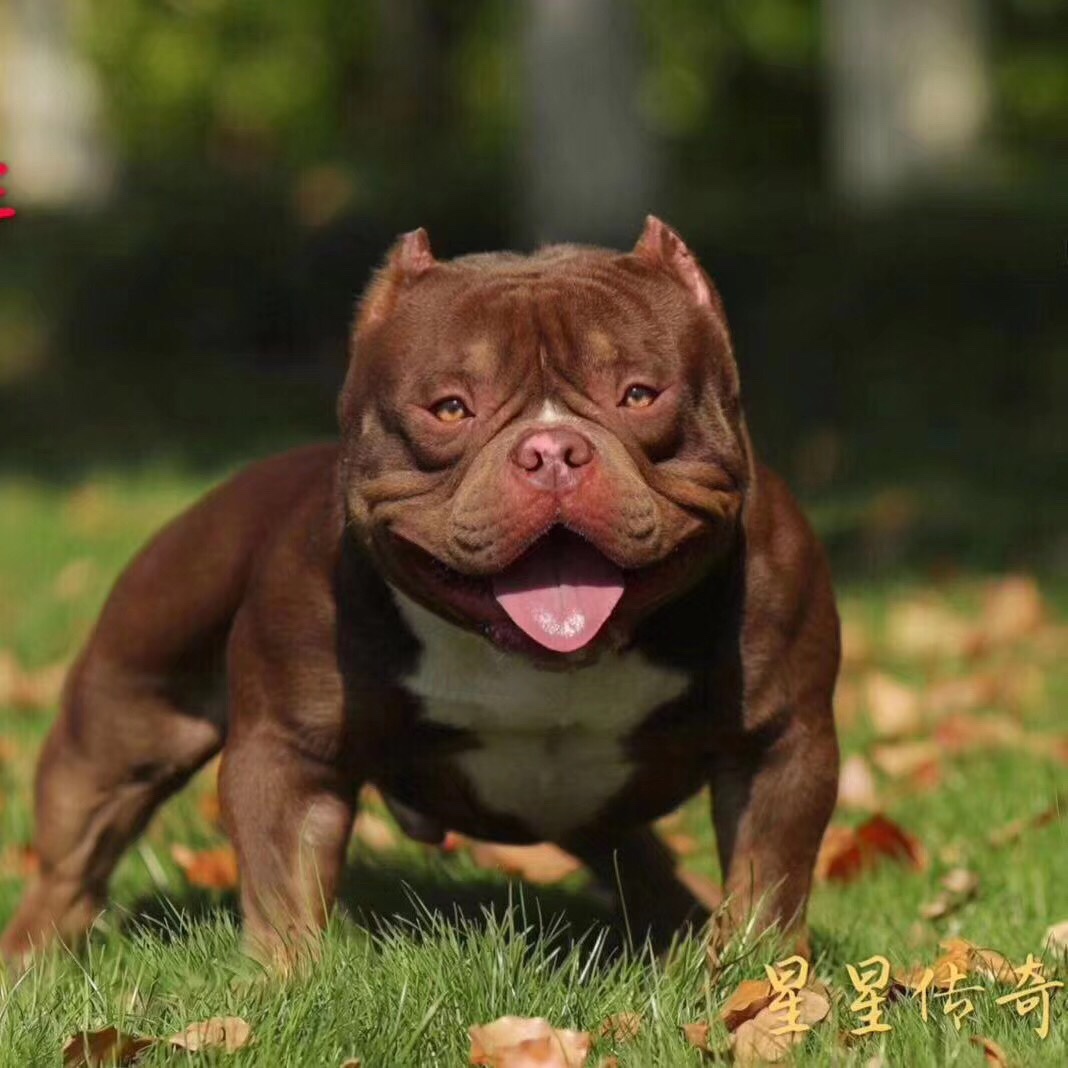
column 553, row 459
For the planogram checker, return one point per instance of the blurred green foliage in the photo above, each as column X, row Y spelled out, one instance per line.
column 268, row 153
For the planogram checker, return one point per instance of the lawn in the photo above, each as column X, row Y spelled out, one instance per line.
column 951, row 706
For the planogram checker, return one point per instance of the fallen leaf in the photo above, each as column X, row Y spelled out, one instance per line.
column 958, row 885
column 213, row 869
column 352, row 1062
column 1057, row 937
column 962, row 732
column 925, row 628
column 107, row 1047
column 1012, row 609
column 893, row 708
column 906, row 759
column 540, row 864
column 210, row 809
column 1015, row 829
column 375, row 832
column 756, row 1042
column 621, row 1027
column 748, row 998
column 992, row 1052
column 74, row 579
column 961, row 881
column 846, row 852
column 856, row 784
column 228, row 1033
column 519, row 1041
column 680, row 843
column 962, row 694
column 697, row 1035
column 18, row 861
column 959, row 958
column 29, row 690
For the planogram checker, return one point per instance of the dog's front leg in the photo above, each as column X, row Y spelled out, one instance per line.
column 770, row 810
column 290, row 817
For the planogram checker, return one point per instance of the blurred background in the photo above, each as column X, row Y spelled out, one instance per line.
column 880, row 191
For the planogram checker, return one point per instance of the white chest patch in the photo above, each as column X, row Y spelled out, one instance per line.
column 551, row 743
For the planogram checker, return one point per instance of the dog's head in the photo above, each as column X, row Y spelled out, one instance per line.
column 544, row 448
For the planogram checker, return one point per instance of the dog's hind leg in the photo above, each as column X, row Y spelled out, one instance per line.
column 121, row 745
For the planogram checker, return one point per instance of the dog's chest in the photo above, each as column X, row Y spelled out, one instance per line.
column 548, row 747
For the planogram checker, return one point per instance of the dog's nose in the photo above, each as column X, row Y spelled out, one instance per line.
column 553, row 459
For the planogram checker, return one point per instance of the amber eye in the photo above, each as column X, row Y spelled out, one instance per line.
column 639, row 397
column 451, row 410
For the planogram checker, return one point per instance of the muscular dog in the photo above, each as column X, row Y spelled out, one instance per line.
column 540, row 589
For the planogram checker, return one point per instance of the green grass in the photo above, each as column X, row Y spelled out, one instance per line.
column 438, row 944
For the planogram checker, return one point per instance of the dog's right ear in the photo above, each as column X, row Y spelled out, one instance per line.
column 409, row 259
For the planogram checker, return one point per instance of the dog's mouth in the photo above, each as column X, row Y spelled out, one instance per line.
column 560, row 592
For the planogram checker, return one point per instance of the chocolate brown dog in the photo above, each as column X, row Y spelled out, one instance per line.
column 540, row 590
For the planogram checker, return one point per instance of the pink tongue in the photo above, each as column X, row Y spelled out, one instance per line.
column 560, row 593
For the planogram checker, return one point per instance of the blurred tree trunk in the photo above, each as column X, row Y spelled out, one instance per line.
column 908, row 92
column 49, row 135
column 588, row 164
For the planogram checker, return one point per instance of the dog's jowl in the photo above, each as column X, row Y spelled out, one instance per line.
column 541, row 588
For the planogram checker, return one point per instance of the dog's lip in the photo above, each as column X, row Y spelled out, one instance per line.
column 519, row 550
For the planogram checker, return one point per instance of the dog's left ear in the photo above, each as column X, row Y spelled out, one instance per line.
column 408, row 260
column 660, row 246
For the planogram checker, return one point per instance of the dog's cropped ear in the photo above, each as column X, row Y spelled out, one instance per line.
column 661, row 247
column 409, row 259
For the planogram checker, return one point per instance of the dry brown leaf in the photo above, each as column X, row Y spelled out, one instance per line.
column 697, row 1035
column 227, row 1033
column 958, row 885
column 608, row 1062
column 90, row 1049
column 962, row 694
column 375, row 832
column 18, row 861
column 846, row 852
column 9, row 750
column 1057, row 937
column 210, row 809
column 926, row 628
column 901, row 760
column 856, row 785
column 959, row 958
column 74, row 579
column 961, row 881
column 621, row 1027
column 29, row 690
column 213, row 869
column 963, row 731
column 893, row 708
column 352, row 1062
column 1012, row 609
column 755, row 1041
column 540, row 864
column 992, row 1052
column 519, row 1041
column 680, row 843
column 748, row 998
column 1015, row 829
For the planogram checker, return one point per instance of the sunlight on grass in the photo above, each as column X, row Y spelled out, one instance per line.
column 441, row 944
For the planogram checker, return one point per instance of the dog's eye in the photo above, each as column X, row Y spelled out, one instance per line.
column 451, row 410
column 639, row 397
